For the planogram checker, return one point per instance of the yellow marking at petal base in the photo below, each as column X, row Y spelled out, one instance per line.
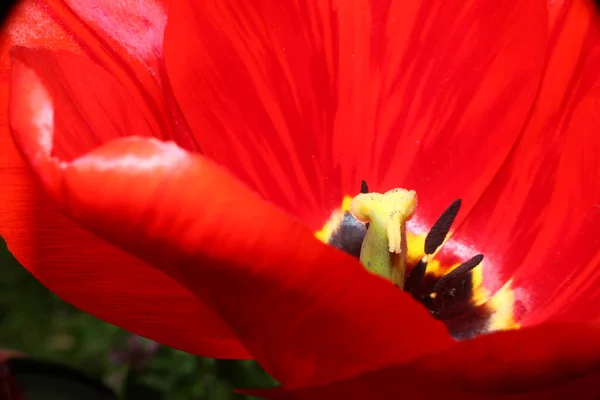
column 502, row 309
column 480, row 293
column 416, row 246
column 334, row 221
column 436, row 269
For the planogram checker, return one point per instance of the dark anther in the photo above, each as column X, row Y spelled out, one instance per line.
column 461, row 269
column 364, row 188
column 414, row 280
column 440, row 229
column 349, row 235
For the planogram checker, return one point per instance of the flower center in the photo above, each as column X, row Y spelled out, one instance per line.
column 372, row 227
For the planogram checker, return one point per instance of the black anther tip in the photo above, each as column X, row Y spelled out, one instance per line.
column 364, row 188
column 461, row 269
column 440, row 229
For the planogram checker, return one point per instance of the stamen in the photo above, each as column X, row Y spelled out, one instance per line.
column 414, row 280
column 454, row 298
column 364, row 188
column 349, row 235
column 440, row 229
column 461, row 269
column 452, row 309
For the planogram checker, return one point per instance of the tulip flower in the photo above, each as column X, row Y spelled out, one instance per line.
column 339, row 190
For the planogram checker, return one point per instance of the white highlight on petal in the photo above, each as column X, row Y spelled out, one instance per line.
column 44, row 119
column 146, row 154
column 138, row 25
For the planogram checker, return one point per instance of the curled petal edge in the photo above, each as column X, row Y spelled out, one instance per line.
column 220, row 238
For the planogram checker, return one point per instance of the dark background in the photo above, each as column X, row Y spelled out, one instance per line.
column 35, row 321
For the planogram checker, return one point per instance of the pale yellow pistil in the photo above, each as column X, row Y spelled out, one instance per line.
column 384, row 248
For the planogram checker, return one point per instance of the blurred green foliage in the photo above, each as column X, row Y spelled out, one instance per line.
column 35, row 321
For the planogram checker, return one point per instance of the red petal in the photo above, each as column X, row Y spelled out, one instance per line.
column 92, row 107
column 82, row 269
column 125, row 37
column 303, row 100
column 539, row 222
column 306, row 311
column 547, row 362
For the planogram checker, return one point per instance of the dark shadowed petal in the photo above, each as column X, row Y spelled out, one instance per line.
column 307, row 312
column 79, row 267
column 539, row 221
column 302, row 100
column 546, row 362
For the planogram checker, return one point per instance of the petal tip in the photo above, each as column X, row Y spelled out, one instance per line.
column 31, row 119
column 31, row 111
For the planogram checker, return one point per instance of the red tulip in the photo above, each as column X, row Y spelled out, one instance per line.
column 277, row 110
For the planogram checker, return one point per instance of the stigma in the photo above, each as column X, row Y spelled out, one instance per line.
column 384, row 247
